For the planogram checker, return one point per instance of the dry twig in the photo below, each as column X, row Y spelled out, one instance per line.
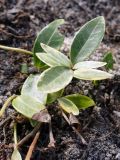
column 31, row 134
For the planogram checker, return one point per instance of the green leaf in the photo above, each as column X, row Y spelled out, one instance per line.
column 88, row 65
column 108, row 58
column 33, row 122
column 81, row 101
column 30, row 88
column 50, row 36
column 54, row 79
column 24, row 68
column 53, row 96
column 87, row 39
column 53, row 57
column 26, row 105
column 16, row 155
column 68, row 106
column 91, row 74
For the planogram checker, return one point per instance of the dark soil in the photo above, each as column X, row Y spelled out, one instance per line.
column 20, row 21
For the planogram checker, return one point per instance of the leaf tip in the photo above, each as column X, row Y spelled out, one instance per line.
column 104, row 63
column 42, row 45
column 61, row 21
column 100, row 17
column 111, row 75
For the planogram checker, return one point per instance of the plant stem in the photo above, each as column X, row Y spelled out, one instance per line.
column 6, row 104
column 15, row 134
column 32, row 146
column 16, row 49
column 52, row 140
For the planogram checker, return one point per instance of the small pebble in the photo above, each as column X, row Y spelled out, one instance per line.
column 118, row 156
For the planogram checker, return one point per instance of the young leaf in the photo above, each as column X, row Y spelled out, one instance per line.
column 109, row 59
column 68, row 106
column 16, row 155
column 81, row 101
column 88, row 65
column 50, row 36
column 54, row 79
column 87, row 39
column 53, row 96
column 27, row 105
column 91, row 74
column 53, row 57
column 30, row 88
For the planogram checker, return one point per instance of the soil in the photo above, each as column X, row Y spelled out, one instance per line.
column 20, row 21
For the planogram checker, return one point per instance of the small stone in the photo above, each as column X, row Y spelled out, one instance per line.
column 1, row 101
column 108, row 155
column 113, row 151
column 102, row 87
column 118, row 156
column 85, row 92
column 8, row 93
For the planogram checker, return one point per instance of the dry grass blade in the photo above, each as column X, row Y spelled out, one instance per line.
column 76, row 131
column 32, row 146
column 52, row 140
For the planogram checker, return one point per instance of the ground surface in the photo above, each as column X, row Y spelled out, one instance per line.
column 19, row 23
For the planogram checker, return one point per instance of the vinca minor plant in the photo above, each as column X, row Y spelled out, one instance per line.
column 59, row 69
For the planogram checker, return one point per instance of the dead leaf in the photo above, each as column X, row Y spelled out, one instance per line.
column 42, row 116
column 74, row 121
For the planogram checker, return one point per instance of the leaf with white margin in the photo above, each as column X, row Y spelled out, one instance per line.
column 87, row 39
column 54, row 79
column 30, row 88
column 68, row 106
column 88, row 65
column 53, row 57
column 91, row 74
column 48, row 35
column 26, row 105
